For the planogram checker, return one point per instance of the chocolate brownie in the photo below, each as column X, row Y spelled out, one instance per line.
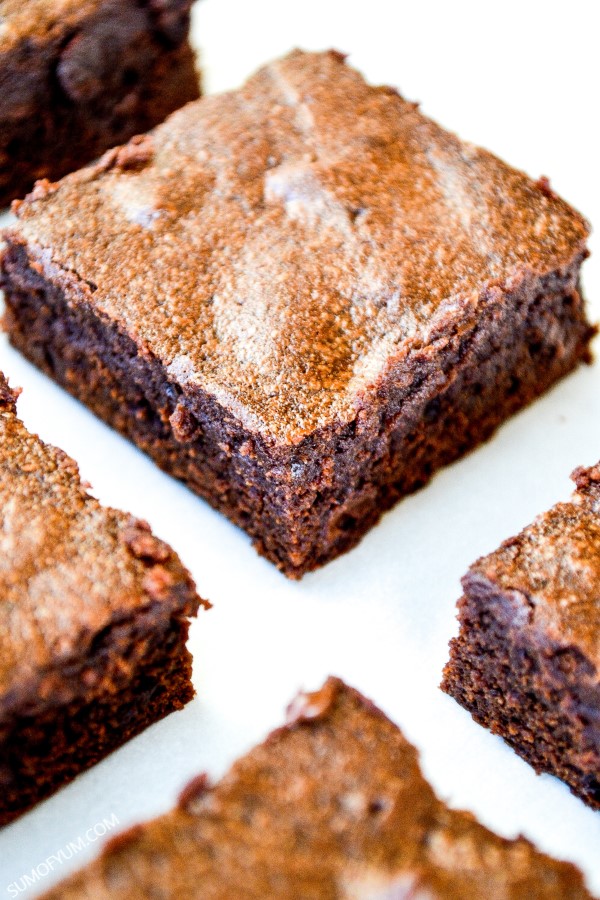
column 333, row 805
column 79, row 76
column 526, row 663
column 93, row 621
column 301, row 298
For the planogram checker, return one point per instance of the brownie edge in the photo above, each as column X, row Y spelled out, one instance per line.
column 79, row 76
column 526, row 662
column 94, row 618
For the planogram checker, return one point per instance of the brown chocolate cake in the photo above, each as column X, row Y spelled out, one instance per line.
column 94, row 616
column 301, row 298
column 79, row 76
column 526, row 663
column 333, row 805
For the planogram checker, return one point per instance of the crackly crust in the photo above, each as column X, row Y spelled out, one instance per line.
column 302, row 504
column 288, row 243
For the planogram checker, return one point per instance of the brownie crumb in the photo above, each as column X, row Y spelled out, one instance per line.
column 143, row 544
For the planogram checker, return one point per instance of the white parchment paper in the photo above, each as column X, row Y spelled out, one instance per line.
column 518, row 79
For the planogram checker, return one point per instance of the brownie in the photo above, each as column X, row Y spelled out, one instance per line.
column 94, row 616
column 526, row 663
column 333, row 805
column 301, row 298
column 79, row 76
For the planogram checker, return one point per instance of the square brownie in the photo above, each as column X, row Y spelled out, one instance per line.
column 526, row 663
column 301, row 298
column 333, row 805
column 94, row 616
column 79, row 76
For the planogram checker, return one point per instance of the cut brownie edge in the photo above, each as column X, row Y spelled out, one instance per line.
column 87, row 82
column 526, row 662
column 45, row 745
column 94, row 618
column 304, row 505
column 541, row 696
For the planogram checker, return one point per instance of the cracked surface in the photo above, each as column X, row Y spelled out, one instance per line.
column 331, row 806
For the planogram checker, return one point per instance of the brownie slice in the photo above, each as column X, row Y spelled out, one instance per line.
column 301, row 298
column 79, row 76
column 333, row 805
column 526, row 663
column 93, row 621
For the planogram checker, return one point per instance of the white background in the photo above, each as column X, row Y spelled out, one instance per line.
column 520, row 78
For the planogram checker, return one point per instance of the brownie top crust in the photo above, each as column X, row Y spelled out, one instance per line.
column 333, row 805
column 20, row 19
column 69, row 567
column 280, row 247
column 39, row 20
column 551, row 570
